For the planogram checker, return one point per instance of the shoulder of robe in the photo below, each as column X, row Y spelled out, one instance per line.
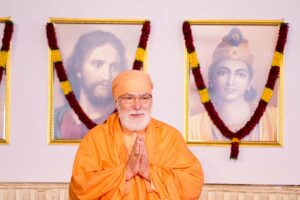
column 100, row 131
column 165, row 129
column 93, row 136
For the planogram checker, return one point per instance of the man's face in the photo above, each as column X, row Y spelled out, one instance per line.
column 135, row 110
column 101, row 66
column 231, row 79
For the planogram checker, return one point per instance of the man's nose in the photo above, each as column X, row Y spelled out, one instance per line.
column 137, row 104
column 231, row 79
column 105, row 73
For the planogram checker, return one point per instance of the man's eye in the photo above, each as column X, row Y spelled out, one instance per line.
column 97, row 63
column 242, row 74
column 128, row 98
column 221, row 72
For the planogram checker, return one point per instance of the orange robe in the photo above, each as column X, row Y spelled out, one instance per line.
column 99, row 166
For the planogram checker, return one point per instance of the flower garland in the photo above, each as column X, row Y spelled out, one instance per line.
column 142, row 46
column 7, row 34
column 267, row 93
column 66, row 87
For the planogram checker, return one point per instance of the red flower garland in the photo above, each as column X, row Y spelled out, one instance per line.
column 7, row 34
column 62, row 75
column 248, row 127
column 137, row 64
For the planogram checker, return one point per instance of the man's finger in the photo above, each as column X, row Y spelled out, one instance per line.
column 141, row 146
column 137, row 146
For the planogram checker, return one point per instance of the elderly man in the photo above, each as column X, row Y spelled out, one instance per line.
column 133, row 156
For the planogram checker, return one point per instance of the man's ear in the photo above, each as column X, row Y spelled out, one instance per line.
column 117, row 105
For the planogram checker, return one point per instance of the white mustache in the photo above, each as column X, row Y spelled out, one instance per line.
column 136, row 113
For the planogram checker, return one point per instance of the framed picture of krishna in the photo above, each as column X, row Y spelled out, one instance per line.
column 234, row 82
column 85, row 56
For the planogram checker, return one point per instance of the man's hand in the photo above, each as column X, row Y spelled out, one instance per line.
column 133, row 163
column 138, row 163
column 144, row 164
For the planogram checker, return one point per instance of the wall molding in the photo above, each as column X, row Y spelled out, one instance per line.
column 250, row 192
column 59, row 191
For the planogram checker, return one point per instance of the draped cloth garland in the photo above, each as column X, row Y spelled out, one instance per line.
column 57, row 63
column 7, row 34
column 266, row 96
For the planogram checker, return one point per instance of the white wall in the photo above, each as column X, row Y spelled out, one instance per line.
column 29, row 159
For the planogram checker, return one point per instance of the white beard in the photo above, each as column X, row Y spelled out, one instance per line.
column 134, row 124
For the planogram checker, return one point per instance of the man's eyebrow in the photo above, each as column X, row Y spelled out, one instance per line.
column 223, row 67
column 244, row 70
column 140, row 95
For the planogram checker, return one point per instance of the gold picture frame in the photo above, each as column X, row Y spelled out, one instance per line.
column 258, row 38
column 122, row 36
column 5, row 94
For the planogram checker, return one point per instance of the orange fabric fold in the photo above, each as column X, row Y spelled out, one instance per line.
column 99, row 166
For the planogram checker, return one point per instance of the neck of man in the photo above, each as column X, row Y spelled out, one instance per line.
column 130, row 132
column 233, row 113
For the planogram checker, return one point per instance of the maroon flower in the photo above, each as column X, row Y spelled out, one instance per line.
column 283, row 30
column 234, row 150
column 137, row 65
column 8, row 30
column 273, row 75
column 145, row 35
column 51, row 36
column 1, row 73
column 60, row 71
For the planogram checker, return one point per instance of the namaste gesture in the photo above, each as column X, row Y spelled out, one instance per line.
column 138, row 163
